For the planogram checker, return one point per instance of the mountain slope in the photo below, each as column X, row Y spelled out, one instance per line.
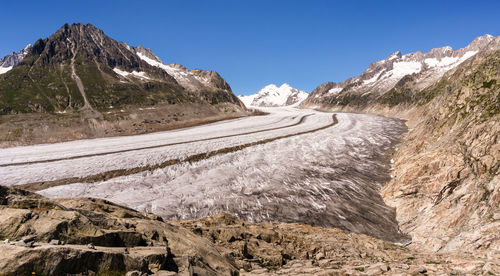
column 81, row 72
column 445, row 185
column 271, row 95
column 379, row 81
column 113, row 73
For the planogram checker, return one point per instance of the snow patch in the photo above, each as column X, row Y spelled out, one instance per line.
column 141, row 75
column 178, row 74
column 468, row 55
column 247, row 100
column 403, row 68
column 4, row 70
column 335, row 90
column 448, row 63
column 374, row 78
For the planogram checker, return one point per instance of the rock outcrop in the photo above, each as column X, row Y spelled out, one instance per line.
column 151, row 244
column 298, row 249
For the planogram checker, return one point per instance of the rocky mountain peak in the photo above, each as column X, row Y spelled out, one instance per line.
column 479, row 43
column 11, row 60
column 178, row 66
column 79, row 33
column 439, row 52
column 394, row 55
column 323, row 88
column 147, row 53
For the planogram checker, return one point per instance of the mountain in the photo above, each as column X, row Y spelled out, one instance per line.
column 445, row 180
column 271, row 95
column 11, row 60
column 122, row 89
column 381, row 80
column 79, row 66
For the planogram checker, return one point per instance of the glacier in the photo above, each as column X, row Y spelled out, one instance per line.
column 329, row 177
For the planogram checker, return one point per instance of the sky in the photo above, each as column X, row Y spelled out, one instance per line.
column 255, row 43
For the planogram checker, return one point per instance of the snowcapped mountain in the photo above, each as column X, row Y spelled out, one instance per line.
column 11, row 60
column 421, row 69
column 271, row 95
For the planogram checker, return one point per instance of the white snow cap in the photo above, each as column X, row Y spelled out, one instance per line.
column 272, row 95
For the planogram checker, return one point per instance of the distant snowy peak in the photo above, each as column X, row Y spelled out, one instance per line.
column 8, row 62
column 272, row 95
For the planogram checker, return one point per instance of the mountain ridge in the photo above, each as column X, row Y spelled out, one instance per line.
column 372, row 84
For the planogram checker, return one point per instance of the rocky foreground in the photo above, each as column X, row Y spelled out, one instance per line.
column 90, row 236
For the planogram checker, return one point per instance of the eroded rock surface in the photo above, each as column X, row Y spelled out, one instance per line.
column 298, row 249
column 96, row 236
column 152, row 244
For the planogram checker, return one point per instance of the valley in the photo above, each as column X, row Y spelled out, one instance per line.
column 330, row 177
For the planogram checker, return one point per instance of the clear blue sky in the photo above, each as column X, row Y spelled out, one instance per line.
column 254, row 43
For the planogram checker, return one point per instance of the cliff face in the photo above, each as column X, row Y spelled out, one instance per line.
column 445, row 185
